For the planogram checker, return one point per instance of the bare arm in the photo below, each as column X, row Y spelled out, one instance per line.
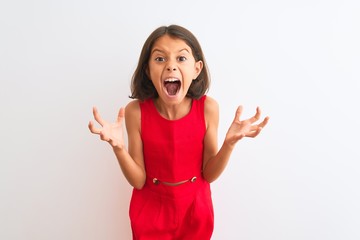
column 215, row 161
column 131, row 161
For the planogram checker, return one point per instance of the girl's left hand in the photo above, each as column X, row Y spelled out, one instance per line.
column 244, row 128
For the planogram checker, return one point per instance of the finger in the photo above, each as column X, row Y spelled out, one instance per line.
column 238, row 113
column 256, row 117
column 93, row 129
column 104, row 137
column 121, row 115
column 112, row 143
column 242, row 136
column 98, row 117
column 263, row 123
column 254, row 133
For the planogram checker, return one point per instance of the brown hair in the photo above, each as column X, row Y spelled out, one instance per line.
column 142, row 87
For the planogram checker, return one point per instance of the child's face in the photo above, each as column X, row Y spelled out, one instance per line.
column 172, row 67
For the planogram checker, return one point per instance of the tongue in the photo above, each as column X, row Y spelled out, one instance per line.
column 172, row 88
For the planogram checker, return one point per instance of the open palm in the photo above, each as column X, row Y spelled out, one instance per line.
column 245, row 128
column 109, row 132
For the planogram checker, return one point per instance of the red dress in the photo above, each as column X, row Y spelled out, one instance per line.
column 175, row 202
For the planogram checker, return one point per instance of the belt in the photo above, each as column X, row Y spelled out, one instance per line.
column 157, row 182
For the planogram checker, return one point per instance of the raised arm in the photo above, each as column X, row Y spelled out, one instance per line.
column 131, row 161
column 215, row 161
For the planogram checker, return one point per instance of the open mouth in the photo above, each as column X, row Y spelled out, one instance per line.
column 172, row 86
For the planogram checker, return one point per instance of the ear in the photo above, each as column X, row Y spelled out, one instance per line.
column 198, row 67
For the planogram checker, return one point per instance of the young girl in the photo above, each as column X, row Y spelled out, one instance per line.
column 172, row 125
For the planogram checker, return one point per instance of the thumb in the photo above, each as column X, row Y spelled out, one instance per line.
column 121, row 114
column 238, row 113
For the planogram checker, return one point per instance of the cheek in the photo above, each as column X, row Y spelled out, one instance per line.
column 153, row 71
column 150, row 74
column 193, row 73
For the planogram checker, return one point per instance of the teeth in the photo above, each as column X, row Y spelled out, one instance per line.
column 171, row 80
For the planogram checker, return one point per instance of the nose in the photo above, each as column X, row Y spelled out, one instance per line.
column 171, row 68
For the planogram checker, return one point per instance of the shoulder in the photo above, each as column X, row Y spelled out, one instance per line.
column 211, row 105
column 211, row 111
column 133, row 108
column 133, row 113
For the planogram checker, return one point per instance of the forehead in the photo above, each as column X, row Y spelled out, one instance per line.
column 168, row 43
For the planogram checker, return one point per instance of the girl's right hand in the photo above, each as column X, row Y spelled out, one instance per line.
column 109, row 132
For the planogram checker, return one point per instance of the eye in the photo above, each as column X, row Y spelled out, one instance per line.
column 160, row 59
column 182, row 58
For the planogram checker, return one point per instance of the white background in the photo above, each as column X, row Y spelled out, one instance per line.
column 298, row 60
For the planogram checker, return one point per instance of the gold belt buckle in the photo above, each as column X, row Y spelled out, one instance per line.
column 193, row 179
column 156, row 181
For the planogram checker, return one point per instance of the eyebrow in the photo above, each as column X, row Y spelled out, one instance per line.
column 158, row 50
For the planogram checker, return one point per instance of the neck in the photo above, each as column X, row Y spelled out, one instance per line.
column 173, row 111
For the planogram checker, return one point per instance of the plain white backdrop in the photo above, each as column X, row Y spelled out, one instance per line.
column 298, row 60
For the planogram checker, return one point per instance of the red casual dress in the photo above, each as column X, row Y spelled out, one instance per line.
column 175, row 202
